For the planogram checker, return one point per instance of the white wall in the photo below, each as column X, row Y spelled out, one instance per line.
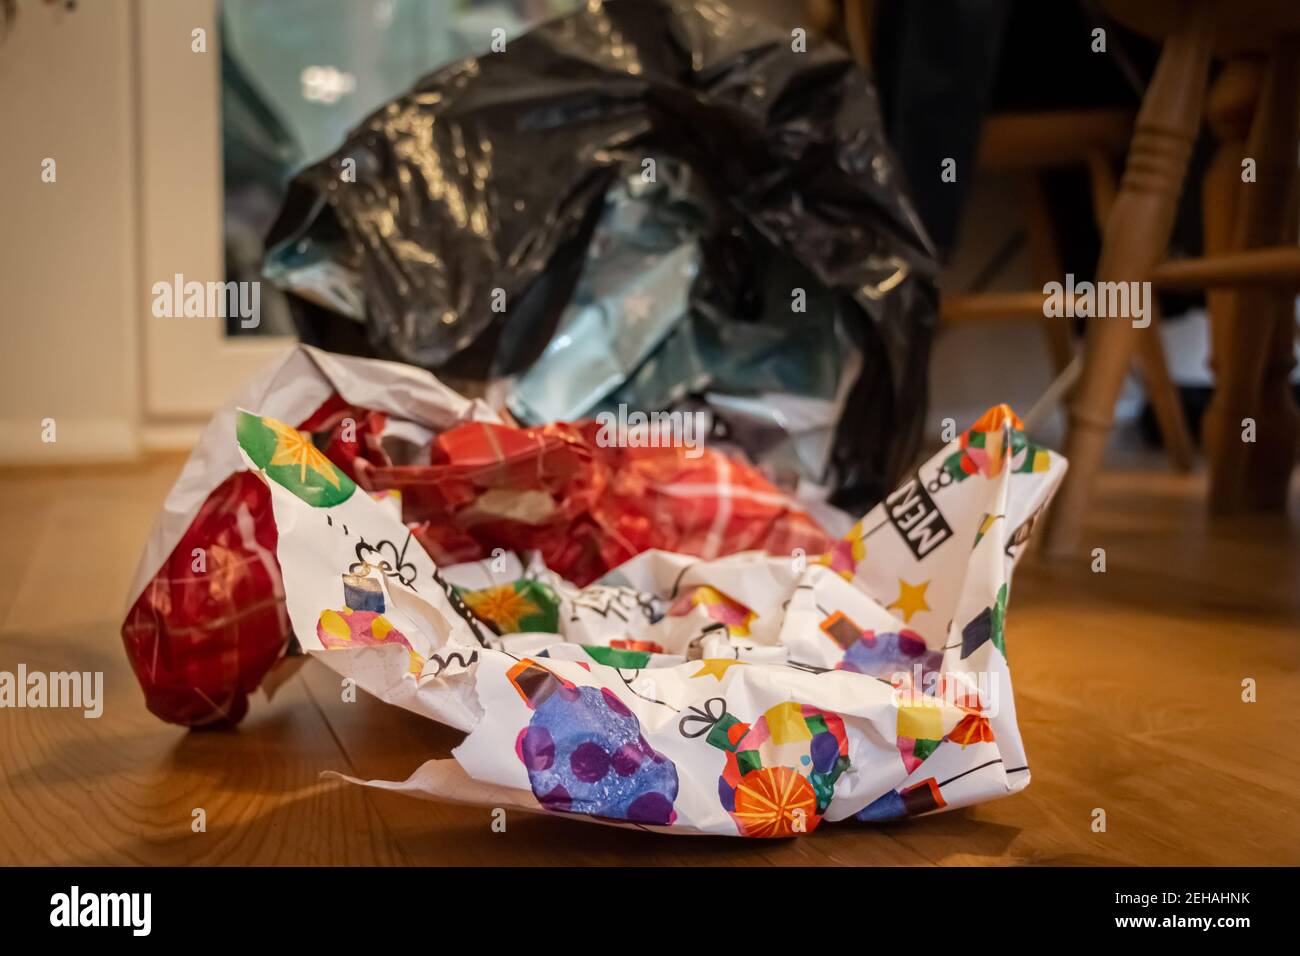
column 68, row 262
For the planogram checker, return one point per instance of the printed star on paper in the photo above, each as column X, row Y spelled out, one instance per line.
column 911, row 599
column 502, row 606
column 292, row 447
column 716, row 667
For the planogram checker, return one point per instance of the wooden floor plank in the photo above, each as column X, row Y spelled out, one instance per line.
column 1128, row 694
column 122, row 789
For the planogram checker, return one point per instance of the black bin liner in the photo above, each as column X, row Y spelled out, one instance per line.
column 485, row 183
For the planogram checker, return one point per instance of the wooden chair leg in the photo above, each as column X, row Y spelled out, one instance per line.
column 1160, row 387
column 1163, row 394
column 1245, row 321
column 1102, row 183
column 1228, row 111
column 1137, row 232
column 1268, row 470
column 1268, row 474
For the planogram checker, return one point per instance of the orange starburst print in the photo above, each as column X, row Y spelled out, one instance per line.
column 503, row 607
column 775, row 802
column 972, row 729
column 294, row 448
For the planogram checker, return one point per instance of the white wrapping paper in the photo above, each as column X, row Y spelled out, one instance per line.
column 752, row 695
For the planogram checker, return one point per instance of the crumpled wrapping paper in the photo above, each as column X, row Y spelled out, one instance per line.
column 586, row 507
column 754, row 694
column 207, row 620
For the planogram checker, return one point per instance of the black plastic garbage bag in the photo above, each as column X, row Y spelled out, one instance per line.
column 452, row 228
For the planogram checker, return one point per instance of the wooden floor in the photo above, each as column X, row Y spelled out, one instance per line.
column 1128, row 690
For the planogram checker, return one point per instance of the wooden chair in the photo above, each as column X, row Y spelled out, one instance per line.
column 1027, row 145
column 1251, row 265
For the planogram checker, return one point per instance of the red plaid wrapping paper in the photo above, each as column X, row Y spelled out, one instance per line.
column 588, row 508
column 201, row 642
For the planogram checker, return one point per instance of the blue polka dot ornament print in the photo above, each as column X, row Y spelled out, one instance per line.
column 584, row 752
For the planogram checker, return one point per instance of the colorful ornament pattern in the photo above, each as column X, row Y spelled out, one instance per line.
column 718, row 606
column 988, row 625
column 620, row 657
column 914, row 750
column 844, row 555
column 879, row 655
column 780, row 771
column 995, row 437
column 522, row 606
column 291, row 460
column 362, row 623
column 584, row 752
column 972, row 729
column 923, row 797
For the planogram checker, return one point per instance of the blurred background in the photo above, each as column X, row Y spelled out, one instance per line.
column 176, row 162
